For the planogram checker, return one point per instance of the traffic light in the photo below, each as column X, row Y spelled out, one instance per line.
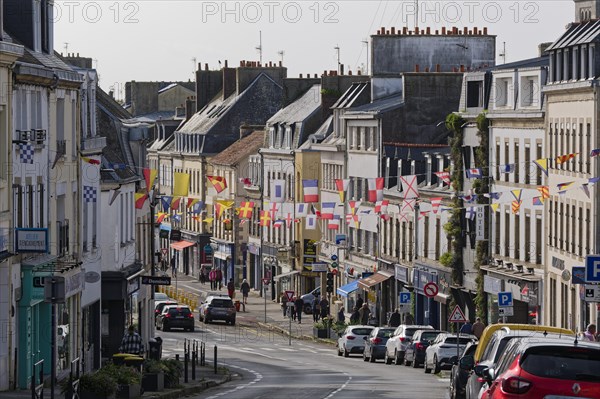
column 334, row 265
column 329, row 282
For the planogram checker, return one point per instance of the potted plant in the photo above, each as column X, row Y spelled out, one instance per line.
column 153, row 379
column 128, row 379
column 173, row 371
column 321, row 328
column 98, row 385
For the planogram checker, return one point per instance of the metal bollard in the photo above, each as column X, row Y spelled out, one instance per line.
column 202, row 354
column 186, row 360
column 215, row 359
column 194, row 361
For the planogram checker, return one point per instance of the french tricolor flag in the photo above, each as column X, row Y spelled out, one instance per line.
column 311, row 190
column 327, row 210
column 333, row 224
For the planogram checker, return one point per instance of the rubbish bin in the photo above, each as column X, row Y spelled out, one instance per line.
column 155, row 348
column 237, row 306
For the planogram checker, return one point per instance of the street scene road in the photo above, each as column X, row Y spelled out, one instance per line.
column 267, row 366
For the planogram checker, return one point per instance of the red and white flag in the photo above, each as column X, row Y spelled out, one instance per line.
column 435, row 204
column 444, row 176
column 375, row 189
column 410, row 186
column 333, row 224
column 381, row 206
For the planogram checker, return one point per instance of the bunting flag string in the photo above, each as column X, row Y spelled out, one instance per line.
column 342, row 186
column 150, row 177
column 140, row 199
column 218, row 182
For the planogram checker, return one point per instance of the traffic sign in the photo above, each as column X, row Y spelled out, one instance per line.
column 156, row 280
column 265, row 280
column 505, row 299
column 578, row 274
column 457, row 316
column 164, row 251
column 334, row 257
column 289, row 295
column 334, row 265
column 430, row 290
column 404, row 297
column 592, row 293
column 592, row 268
column 506, row 311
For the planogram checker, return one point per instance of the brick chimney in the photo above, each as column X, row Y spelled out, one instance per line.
column 190, row 107
column 208, row 84
column 229, row 81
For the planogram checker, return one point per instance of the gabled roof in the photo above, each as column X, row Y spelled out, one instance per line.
column 299, row 110
column 239, row 150
column 379, row 106
column 578, row 33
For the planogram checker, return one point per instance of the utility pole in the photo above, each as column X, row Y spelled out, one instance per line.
column 366, row 43
column 259, row 48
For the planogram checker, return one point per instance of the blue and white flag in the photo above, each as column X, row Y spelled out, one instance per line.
column 89, row 194
column 301, row 209
column 311, row 222
column 471, row 213
column 198, row 207
column 278, row 191
column 508, row 168
column 26, row 153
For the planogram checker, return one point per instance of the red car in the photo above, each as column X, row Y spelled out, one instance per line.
column 545, row 368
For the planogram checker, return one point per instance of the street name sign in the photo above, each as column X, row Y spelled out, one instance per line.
column 506, row 311
column 156, row 280
column 505, row 299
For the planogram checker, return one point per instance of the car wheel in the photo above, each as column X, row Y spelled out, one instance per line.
column 307, row 309
column 339, row 351
column 397, row 360
column 415, row 364
column 386, row 358
column 406, row 362
column 452, row 390
column 165, row 328
column 193, row 328
column 365, row 358
column 205, row 319
column 233, row 322
column 346, row 353
column 436, row 365
column 427, row 369
column 158, row 326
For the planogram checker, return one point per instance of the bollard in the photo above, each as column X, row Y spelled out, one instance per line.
column 215, row 359
column 186, row 359
column 202, row 354
column 194, row 361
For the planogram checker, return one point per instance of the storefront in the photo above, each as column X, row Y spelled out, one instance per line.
column 431, row 311
column 377, row 293
column 253, row 265
column 223, row 258
column 402, row 282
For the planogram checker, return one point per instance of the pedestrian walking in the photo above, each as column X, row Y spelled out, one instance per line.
column 355, row 316
column 231, row 289
column 219, row 279
column 324, row 305
column 590, row 333
column 341, row 315
column 132, row 342
column 409, row 319
column 201, row 276
column 478, row 327
column 284, row 301
column 316, row 309
column 299, row 305
column 212, row 277
column 359, row 301
column 173, row 267
column 467, row 328
column 245, row 290
column 364, row 314
column 394, row 319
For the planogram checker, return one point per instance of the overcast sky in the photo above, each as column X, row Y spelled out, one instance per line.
column 153, row 40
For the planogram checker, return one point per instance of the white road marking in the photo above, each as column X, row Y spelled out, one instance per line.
column 340, row 388
column 257, row 378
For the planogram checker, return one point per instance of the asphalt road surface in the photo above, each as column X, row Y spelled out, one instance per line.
column 267, row 366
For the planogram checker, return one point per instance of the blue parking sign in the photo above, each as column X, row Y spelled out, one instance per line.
column 505, row 299
column 404, row 298
column 592, row 268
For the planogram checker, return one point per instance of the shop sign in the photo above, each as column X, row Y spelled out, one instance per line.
column 310, row 253
column 401, row 273
column 74, row 284
column 31, row 240
column 492, row 285
column 4, row 239
column 133, row 285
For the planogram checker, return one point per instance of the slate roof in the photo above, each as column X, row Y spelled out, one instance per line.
column 379, row 106
column 239, row 150
column 354, row 92
column 578, row 33
column 300, row 109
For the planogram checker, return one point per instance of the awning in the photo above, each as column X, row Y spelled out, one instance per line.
column 347, row 289
column 372, row 280
column 222, row 255
column 180, row 245
column 288, row 274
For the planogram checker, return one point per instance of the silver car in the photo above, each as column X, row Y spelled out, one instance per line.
column 353, row 340
column 439, row 353
column 396, row 345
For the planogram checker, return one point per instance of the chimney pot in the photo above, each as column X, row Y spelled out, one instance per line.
column 393, row 30
column 280, row 64
column 325, row 73
column 404, row 30
column 225, row 63
column 206, row 66
column 341, row 69
column 428, row 30
column 77, row 54
column 438, row 67
column 475, row 30
column 383, row 30
column 454, row 30
column 427, row 69
column 443, row 30
column 462, row 68
column 465, row 30
column 350, row 73
column 470, row 32
column 437, row 32
column 416, row 30
column 485, row 30
column 416, row 67
column 378, row 32
column 359, row 72
column 300, row 76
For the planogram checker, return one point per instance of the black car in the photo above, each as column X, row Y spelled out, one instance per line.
column 175, row 316
column 461, row 371
column 375, row 343
column 415, row 351
column 218, row 308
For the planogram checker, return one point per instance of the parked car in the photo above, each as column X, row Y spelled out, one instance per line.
column 159, row 306
column 217, row 308
column 175, row 316
column 461, row 370
column 545, row 368
column 309, row 299
column 353, row 340
column 439, row 354
column 396, row 345
column 415, row 350
column 375, row 343
column 492, row 343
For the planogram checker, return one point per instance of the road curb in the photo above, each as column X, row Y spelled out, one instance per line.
column 283, row 331
column 187, row 391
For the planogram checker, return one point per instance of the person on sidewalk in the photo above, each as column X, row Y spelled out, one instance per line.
column 299, row 305
column 284, row 301
column 324, row 305
column 245, row 290
column 467, row 328
column 316, row 309
column 212, row 276
column 231, row 289
column 364, row 314
column 394, row 319
column 359, row 301
column 132, row 342
column 478, row 328
column 218, row 279
column 590, row 333
column 341, row 315
column 355, row 316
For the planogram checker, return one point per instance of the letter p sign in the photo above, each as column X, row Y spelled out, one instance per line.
column 592, row 268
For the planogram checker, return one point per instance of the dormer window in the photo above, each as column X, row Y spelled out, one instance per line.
column 272, row 136
column 529, row 89
column 475, row 94
column 289, row 133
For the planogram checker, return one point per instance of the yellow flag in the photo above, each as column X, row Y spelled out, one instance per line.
column 226, row 204
column 181, row 184
column 495, row 207
column 208, row 220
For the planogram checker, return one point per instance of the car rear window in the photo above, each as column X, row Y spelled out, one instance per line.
column 409, row 332
column 362, row 331
column 462, row 341
column 429, row 336
column 501, row 347
column 385, row 333
column 221, row 303
column 563, row 363
column 179, row 311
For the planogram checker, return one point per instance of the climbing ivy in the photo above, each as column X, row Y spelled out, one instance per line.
column 453, row 227
column 481, row 187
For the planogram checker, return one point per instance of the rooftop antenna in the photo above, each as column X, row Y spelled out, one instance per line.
column 503, row 53
column 337, row 49
column 259, row 48
column 281, row 54
column 366, row 43
column 66, row 49
column 416, row 13
column 194, row 61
